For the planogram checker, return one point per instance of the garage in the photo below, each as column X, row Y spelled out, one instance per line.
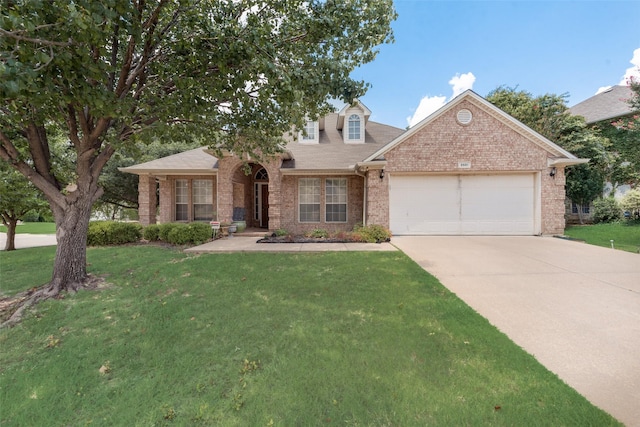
column 492, row 204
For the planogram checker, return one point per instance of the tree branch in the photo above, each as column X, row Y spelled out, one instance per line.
column 16, row 36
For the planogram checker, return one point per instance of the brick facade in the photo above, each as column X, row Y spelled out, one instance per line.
column 147, row 204
column 446, row 144
column 490, row 146
column 290, row 211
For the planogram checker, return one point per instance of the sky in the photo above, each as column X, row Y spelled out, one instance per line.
column 444, row 47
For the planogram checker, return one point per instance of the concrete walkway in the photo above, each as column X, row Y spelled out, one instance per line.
column 574, row 306
column 248, row 244
column 29, row 240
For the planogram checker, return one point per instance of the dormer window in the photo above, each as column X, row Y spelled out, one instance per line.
column 354, row 127
column 310, row 133
column 352, row 120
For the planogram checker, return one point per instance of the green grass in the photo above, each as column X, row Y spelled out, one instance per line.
column 33, row 228
column 625, row 236
column 356, row 339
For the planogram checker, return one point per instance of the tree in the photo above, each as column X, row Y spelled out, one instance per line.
column 17, row 197
column 549, row 115
column 238, row 73
column 624, row 134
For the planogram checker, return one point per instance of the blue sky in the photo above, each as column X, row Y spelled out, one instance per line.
column 444, row 47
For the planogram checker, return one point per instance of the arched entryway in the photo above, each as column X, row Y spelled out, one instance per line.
column 251, row 195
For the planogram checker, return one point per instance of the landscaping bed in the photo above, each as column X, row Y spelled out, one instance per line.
column 304, row 239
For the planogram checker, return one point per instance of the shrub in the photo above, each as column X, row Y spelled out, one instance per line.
column 102, row 233
column 32, row 216
column 606, row 210
column 165, row 229
column 179, row 235
column 631, row 203
column 281, row 232
column 151, row 232
column 183, row 234
column 199, row 232
column 372, row 234
column 317, row 233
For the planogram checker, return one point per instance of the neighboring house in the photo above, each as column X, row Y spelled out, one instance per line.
column 468, row 169
column 612, row 103
column 609, row 105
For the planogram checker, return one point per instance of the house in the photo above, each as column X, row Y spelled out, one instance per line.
column 467, row 169
column 607, row 106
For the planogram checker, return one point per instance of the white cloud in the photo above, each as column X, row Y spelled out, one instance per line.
column 460, row 83
column 430, row 104
column 633, row 71
column 427, row 105
column 603, row 89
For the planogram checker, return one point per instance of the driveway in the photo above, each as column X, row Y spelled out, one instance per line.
column 574, row 306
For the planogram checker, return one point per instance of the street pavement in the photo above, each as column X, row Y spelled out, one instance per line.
column 29, row 240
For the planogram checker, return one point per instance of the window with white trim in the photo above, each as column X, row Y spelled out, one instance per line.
column 354, row 128
column 336, row 200
column 310, row 132
column 182, row 200
column 309, row 199
column 202, row 200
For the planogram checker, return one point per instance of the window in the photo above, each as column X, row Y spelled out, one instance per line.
column 354, row 127
column 574, row 209
column 309, row 199
column 262, row 175
column 182, row 200
column 202, row 200
column 309, row 132
column 336, row 200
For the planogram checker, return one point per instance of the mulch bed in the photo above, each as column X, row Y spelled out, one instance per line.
column 301, row 239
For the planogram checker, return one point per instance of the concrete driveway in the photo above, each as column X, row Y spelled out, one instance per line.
column 574, row 306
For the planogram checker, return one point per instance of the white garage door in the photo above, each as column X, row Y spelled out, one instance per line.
column 462, row 205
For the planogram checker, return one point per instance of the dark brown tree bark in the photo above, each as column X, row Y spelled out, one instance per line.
column 11, row 224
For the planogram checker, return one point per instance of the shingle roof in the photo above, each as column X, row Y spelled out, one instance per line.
column 330, row 154
column 609, row 104
column 192, row 161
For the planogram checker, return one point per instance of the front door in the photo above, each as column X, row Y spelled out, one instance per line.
column 264, row 205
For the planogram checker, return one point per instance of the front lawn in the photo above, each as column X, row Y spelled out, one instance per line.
column 625, row 235
column 33, row 228
column 265, row 339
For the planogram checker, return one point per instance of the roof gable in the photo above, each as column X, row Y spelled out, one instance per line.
column 478, row 101
column 357, row 105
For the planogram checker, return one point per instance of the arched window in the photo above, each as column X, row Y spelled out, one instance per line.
column 262, row 175
column 354, row 127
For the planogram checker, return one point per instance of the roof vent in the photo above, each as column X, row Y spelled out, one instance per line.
column 464, row 116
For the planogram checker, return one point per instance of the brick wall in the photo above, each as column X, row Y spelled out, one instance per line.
column 147, row 199
column 377, row 199
column 488, row 144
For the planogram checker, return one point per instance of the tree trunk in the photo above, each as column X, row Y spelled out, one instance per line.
column 10, row 245
column 580, row 214
column 70, row 264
